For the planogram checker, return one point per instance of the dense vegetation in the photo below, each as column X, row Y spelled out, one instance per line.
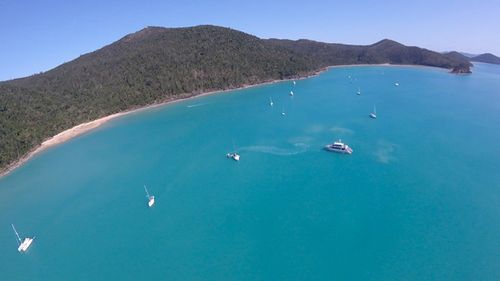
column 457, row 56
column 157, row 64
column 385, row 51
column 145, row 67
column 487, row 58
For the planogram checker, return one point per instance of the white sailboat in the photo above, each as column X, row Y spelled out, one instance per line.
column 291, row 93
column 283, row 111
column 23, row 244
column 271, row 103
column 294, row 82
column 373, row 115
column 358, row 92
column 151, row 198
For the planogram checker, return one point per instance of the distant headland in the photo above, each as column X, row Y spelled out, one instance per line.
column 486, row 57
column 159, row 64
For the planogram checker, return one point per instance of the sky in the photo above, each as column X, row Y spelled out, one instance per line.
column 40, row 35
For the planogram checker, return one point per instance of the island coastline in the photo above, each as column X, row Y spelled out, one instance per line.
column 86, row 127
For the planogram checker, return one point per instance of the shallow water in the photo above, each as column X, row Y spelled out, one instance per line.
column 419, row 199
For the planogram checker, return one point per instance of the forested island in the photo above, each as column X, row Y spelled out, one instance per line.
column 486, row 58
column 158, row 64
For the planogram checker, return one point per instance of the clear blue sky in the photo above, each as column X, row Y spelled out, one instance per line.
column 39, row 35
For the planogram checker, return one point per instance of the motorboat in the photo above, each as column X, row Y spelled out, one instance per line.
column 339, row 147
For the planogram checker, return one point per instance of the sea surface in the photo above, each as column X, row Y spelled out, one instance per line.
column 419, row 199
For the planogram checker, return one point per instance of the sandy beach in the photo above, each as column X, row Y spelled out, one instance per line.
column 88, row 126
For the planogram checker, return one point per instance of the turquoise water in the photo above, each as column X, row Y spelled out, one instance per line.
column 419, row 199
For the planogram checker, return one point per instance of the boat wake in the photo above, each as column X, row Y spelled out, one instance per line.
column 296, row 149
column 317, row 129
column 341, row 130
column 196, row 105
column 385, row 152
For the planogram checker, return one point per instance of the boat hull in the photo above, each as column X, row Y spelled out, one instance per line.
column 347, row 150
column 25, row 245
column 234, row 156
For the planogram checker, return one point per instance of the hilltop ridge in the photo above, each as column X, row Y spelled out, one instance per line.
column 487, row 58
column 384, row 51
column 157, row 64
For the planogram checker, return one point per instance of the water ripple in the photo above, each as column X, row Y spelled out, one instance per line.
column 297, row 148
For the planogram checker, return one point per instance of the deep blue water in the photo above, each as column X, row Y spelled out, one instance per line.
column 419, row 199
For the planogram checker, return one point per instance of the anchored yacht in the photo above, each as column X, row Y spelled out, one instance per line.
column 151, row 198
column 23, row 244
column 373, row 115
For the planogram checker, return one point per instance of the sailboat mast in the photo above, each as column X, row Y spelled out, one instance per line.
column 17, row 234
column 145, row 189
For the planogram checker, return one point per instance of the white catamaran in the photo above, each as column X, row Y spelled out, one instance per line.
column 339, row 147
column 151, row 198
column 23, row 244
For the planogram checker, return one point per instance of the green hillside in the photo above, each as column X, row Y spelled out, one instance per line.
column 158, row 64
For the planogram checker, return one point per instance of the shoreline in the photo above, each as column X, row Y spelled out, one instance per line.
column 86, row 127
column 390, row 65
